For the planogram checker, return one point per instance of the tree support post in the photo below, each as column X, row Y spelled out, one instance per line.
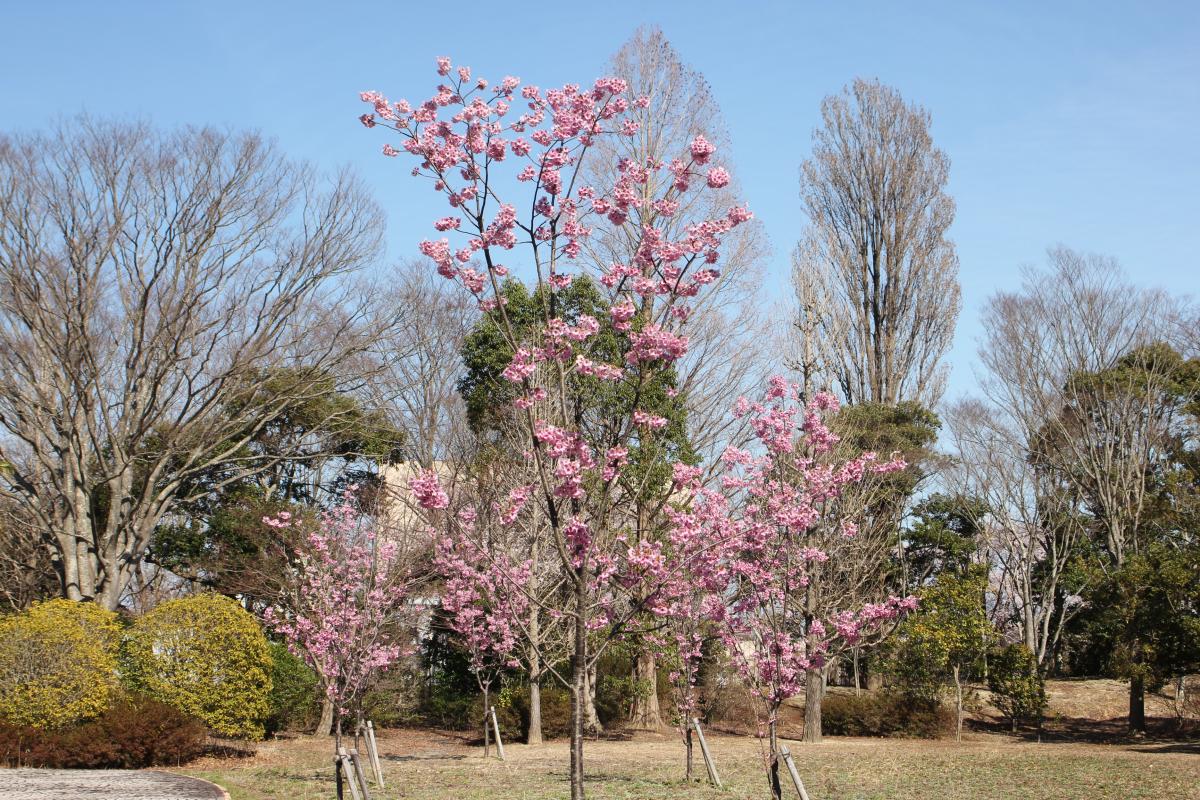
column 496, row 728
column 373, row 751
column 347, row 773
column 361, row 774
column 791, row 765
column 708, row 759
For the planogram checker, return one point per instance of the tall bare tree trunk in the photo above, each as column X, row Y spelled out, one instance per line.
column 534, row 734
column 857, row 674
column 1137, row 704
column 579, row 688
column 592, row 722
column 814, row 693
column 325, row 723
column 958, row 705
column 645, row 713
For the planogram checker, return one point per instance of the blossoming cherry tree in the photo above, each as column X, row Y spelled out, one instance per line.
column 477, row 144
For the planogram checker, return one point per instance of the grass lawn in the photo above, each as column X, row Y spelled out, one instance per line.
column 426, row 765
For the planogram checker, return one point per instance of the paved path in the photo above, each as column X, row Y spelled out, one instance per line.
column 102, row 784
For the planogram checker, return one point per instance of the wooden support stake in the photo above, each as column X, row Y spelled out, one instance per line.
column 496, row 728
column 791, row 765
column 708, row 759
column 373, row 750
column 361, row 774
column 346, row 770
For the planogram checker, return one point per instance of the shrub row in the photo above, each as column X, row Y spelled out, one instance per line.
column 132, row 733
column 63, row 664
column 884, row 714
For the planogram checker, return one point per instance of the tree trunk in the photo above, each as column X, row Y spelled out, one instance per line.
column 487, row 735
column 1137, row 704
column 958, row 705
column 773, row 771
column 645, row 713
column 534, row 734
column 591, row 723
column 857, row 676
column 687, row 743
column 579, row 691
column 814, row 693
column 325, row 723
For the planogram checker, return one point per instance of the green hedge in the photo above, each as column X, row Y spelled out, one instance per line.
column 206, row 656
column 58, row 664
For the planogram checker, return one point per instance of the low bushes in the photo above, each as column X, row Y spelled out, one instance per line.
column 78, row 689
column 58, row 664
column 1018, row 689
column 556, row 710
column 131, row 734
column 395, row 697
column 884, row 714
column 206, row 656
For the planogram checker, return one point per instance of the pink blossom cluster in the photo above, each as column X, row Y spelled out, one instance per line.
column 428, row 491
column 655, row 344
column 469, row 130
column 349, row 592
column 791, row 491
column 760, row 544
column 481, row 598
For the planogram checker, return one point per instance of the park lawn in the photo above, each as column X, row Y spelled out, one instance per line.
column 426, row 765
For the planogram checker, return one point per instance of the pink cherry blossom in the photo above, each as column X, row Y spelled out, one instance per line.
column 718, row 177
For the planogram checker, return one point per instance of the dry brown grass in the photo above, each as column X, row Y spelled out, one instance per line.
column 429, row 765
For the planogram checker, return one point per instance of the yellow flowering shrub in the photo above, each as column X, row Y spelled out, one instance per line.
column 206, row 656
column 58, row 663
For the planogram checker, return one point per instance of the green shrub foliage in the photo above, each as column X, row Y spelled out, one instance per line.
column 513, row 705
column 294, row 703
column 1018, row 690
column 206, row 656
column 885, row 714
column 57, row 664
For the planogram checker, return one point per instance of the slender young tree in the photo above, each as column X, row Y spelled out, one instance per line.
column 875, row 275
column 345, row 610
column 791, row 509
column 461, row 137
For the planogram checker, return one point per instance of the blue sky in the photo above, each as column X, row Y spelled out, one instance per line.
column 1071, row 122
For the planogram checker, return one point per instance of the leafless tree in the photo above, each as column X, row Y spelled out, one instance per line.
column 26, row 571
column 422, row 363
column 153, row 288
column 726, row 346
column 1029, row 531
column 728, row 349
column 1056, row 452
column 1076, row 320
column 876, row 278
